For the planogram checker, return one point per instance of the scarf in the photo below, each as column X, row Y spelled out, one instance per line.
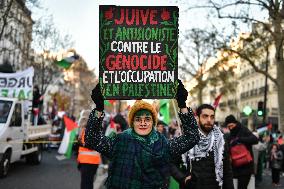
column 145, row 140
column 213, row 141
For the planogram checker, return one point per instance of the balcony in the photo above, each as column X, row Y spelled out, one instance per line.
column 222, row 104
column 253, row 92
column 232, row 103
column 243, row 95
column 261, row 90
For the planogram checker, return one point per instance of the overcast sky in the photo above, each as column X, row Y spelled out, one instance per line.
column 80, row 20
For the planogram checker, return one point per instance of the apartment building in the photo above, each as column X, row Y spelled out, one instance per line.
column 249, row 89
column 15, row 33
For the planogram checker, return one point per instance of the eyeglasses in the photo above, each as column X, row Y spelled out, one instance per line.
column 147, row 120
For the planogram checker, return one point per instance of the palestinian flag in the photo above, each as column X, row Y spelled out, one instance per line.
column 67, row 62
column 66, row 145
column 165, row 110
column 217, row 100
column 109, row 102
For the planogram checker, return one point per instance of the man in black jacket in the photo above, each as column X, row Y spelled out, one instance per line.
column 241, row 134
column 208, row 163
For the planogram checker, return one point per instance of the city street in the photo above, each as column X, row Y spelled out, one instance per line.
column 122, row 78
column 51, row 173
column 266, row 183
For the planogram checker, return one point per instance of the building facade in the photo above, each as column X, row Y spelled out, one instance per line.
column 15, row 33
column 249, row 91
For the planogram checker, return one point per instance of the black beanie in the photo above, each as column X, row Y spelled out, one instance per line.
column 230, row 119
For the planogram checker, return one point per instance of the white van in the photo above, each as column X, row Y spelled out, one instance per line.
column 18, row 138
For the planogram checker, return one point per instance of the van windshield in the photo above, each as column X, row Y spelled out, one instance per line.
column 5, row 107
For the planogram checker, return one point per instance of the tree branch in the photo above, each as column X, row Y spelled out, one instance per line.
column 5, row 17
column 251, row 62
column 187, row 60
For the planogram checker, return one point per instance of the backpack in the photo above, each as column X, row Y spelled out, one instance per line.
column 240, row 155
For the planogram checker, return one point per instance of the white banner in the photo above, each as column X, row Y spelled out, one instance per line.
column 17, row 85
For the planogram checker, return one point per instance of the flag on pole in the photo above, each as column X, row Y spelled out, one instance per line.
column 217, row 100
column 165, row 110
column 266, row 128
column 67, row 62
column 69, row 124
column 66, row 145
column 109, row 102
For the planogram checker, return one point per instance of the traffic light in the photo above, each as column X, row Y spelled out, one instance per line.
column 247, row 110
column 260, row 108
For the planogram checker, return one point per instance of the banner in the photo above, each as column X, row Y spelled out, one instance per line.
column 17, row 85
column 138, row 51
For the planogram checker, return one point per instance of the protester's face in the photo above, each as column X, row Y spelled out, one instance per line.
column 274, row 148
column 143, row 124
column 231, row 126
column 206, row 120
column 160, row 128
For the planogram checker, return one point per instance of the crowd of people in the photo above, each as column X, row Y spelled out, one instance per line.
column 144, row 152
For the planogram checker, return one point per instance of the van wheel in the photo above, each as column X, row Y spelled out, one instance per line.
column 35, row 157
column 5, row 164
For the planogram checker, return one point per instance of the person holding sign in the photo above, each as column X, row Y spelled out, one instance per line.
column 140, row 156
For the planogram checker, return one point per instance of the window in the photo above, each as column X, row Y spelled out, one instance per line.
column 16, row 120
column 5, row 107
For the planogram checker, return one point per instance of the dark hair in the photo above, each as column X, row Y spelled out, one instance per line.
column 120, row 120
column 275, row 144
column 160, row 122
column 204, row 106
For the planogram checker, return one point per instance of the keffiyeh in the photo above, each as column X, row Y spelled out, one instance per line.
column 213, row 141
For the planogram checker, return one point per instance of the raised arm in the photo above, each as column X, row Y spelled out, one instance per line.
column 248, row 138
column 94, row 137
column 190, row 137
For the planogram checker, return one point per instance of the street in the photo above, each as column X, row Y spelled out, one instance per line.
column 51, row 173
column 267, row 183
column 55, row 174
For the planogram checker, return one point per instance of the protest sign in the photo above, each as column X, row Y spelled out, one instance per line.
column 138, row 52
column 17, row 85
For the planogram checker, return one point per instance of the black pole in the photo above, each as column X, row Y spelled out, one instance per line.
column 265, row 88
column 119, row 106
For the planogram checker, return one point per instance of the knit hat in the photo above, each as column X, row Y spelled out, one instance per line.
column 230, row 119
column 141, row 105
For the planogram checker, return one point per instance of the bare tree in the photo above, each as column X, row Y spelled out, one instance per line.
column 200, row 46
column 84, row 80
column 48, row 39
column 272, row 34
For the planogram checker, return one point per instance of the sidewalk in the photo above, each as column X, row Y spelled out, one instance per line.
column 267, row 181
